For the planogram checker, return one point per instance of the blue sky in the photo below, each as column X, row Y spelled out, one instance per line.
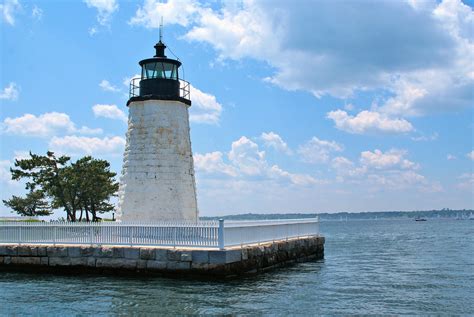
column 302, row 106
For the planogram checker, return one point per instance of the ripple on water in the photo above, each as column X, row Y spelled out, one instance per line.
column 370, row 267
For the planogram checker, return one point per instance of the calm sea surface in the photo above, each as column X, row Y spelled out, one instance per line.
column 370, row 267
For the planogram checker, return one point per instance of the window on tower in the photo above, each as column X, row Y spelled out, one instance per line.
column 159, row 70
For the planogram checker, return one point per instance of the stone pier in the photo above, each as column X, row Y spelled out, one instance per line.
column 158, row 260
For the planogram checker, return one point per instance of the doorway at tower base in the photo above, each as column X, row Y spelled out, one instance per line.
column 157, row 182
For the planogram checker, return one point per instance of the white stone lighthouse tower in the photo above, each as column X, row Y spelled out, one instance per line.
column 157, row 182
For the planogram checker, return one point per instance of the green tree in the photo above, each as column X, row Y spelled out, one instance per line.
column 96, row 185
column 34, row 204
column 46, row 173
column 85, row 186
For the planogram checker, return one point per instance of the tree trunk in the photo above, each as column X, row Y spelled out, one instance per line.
column 94, row 213
column 73, row 216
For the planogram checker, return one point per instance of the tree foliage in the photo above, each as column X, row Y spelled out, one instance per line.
column 95, row 185
column 34, row 204
column 81, row 189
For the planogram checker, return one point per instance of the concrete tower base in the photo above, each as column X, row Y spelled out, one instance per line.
column 157, row 182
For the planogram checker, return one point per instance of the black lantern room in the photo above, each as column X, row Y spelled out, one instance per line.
column 159, row 79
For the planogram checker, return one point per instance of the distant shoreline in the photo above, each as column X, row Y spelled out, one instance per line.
column 463, row 214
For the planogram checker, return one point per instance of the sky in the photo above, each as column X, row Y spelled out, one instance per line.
column 297, row 106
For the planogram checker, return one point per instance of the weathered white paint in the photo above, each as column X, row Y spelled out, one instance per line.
column 157, row 180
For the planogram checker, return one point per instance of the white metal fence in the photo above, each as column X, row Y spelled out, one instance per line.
column 249, row 232
column 205, row 234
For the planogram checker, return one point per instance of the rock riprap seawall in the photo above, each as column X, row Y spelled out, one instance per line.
column 137, row 260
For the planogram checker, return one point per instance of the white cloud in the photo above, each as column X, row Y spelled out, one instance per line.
column 318, row 151
column 406, row 93
column 443, row 87
column 7, row 184
column 172, row 11
column 44, row 125
column 246, row 156
column 127, row 80
column 341, row 163
column 456, row 17
column 93, row 31
column 432, row 137
column 21, row 155
column 466, row 182
column 10, row 92
column 379, row 171
column 390, row 159
column 368, row 122
column 37, row 13
column 213, row 163
column 451, row 157
column 237, row 32
column 5, row 175
column 297, row 179
column 432, row 91
column 107, row 86
column 349, row 107
column 470, row 155
column 247, row 163
column 423, row 60
column 87, row 130
column 205, row 108
column 105, row 9
column 398, row 180
column 247, row 173
column 345, row 167
column 79, row 145
column 273, row 140
column 9, row 9
column 110, row 112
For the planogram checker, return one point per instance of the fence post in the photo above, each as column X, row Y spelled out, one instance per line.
column 91, row 234
column 19, row 235
column 54, row 236
column 220, row 234
column 175, row 234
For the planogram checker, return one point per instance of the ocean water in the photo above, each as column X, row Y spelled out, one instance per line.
column 370, row 267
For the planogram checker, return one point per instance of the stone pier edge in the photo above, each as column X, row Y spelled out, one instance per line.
column 144, row 260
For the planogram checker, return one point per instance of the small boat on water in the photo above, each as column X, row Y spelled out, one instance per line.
column 420, row 219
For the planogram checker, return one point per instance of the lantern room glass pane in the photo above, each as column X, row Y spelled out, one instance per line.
column 159, row 70
column 174, row 73
column 168, row 70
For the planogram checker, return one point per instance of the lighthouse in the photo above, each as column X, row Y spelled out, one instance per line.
column 157, row 181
